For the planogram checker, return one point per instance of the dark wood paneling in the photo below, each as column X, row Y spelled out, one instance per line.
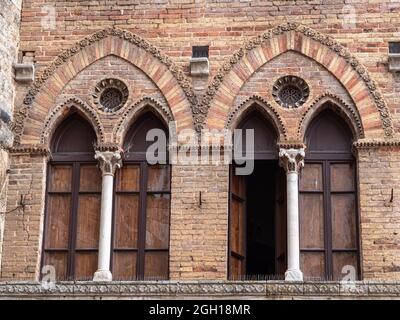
column 88, row 221
column 157, row 221
column 124, row 265
column 126, row 220
column 311, row 221
column 60, row 178
column 156, row 265
column 90, row 178
column 343, row 221
column 128, row 178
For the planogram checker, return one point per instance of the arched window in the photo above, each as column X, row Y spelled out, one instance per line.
column 257, row 216
column 141, row 209
column 328, row 201
column 71, row 232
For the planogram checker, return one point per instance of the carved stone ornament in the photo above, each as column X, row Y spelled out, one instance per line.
column 110, row 95
column 203, row 289
column 290, row 91
column 292, row 160
column 109, row 161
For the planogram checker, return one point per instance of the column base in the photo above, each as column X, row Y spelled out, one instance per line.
column 294, row 275
column 102, row 276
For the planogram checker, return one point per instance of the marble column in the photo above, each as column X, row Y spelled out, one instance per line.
column 109, row 161
column 292, row 160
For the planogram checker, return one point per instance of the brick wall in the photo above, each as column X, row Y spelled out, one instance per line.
column 10, row 15
column 24, row 218
column 176, row 25
column 379, row 174
column 199, row 233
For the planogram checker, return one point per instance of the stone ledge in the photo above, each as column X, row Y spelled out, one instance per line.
column 202, row 289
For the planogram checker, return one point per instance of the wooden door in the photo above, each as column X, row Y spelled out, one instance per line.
column 280, row 223
column 237, row 227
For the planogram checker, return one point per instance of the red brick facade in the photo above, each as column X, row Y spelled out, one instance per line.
column 252, row 43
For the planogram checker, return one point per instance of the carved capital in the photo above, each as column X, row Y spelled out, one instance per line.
column 109, row 161
column 292, row 160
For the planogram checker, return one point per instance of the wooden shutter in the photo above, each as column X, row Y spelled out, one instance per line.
column 126, row 217
column 88, row 210
column 237, row 227
column 343, row 217
column 312, row 230
column 72, row 219
column 58, row 219
column 141, row 222
column 157, row 222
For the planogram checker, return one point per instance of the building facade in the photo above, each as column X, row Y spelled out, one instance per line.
column 85, row 81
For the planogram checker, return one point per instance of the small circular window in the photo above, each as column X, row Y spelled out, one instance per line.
column 291, row 91
column 110, row 95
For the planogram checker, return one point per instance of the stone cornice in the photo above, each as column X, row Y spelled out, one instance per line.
column 371, row 144
column 40, row 150
column 204, row 289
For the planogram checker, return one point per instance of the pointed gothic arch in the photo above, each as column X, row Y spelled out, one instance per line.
column 167, row 76
column 348, row 113
column 58, row 114
column 327, row 52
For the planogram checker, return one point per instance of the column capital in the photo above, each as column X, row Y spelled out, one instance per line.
column 292, row 160
column 109, row 161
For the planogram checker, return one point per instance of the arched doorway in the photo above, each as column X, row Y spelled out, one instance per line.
column 141, row 209
column 328, row 201
column 257, row 219
column 73, row 201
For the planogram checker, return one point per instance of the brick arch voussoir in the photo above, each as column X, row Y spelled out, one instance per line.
column 238, row 68
column 159, row 67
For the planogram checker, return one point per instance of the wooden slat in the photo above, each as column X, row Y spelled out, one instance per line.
column 311, row 221
column 157, row 221
column 59, row 262
column 124, row 265
column 312, row 264
column 88, row 222
column 156, row 265
column 85, row 265
column 128, row 178
column 343, row 221
column 346, row 262
column 60, row 177
column 58, row 221
column 90, row 179
column 158, row 178
column 342, row 177
column 311, row 178
column 126, row 221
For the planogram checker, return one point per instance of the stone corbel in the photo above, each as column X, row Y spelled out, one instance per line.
column 24, row 72
column 394, row 62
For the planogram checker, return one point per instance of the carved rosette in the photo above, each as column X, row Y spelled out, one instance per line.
column 292, row 160
column 110, row 95
column 290, row 92
column 109, row 161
